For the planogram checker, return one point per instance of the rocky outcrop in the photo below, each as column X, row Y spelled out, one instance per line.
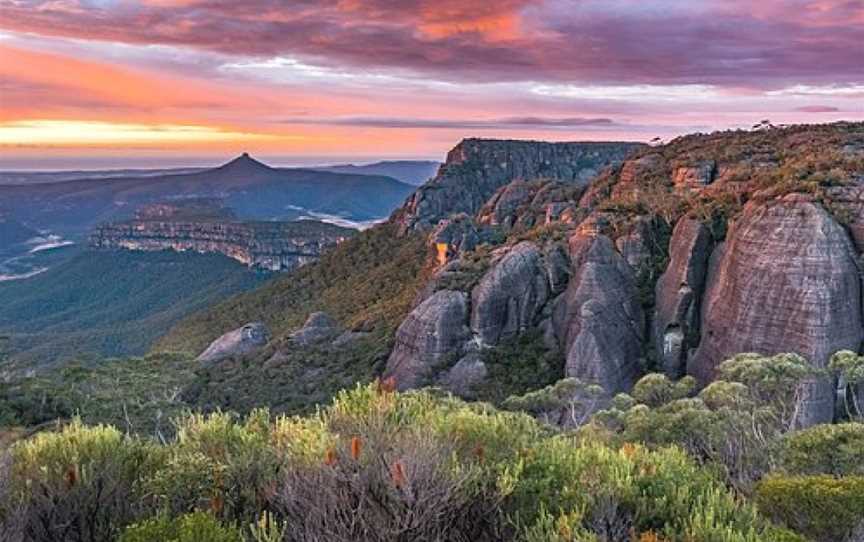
column 509, row 297
column 678, row 294
column 319, row 327
column 502, row 207
column 245, row 340
column 847, row 204
column 272, row 246
column 598, row 320
column 636, row 245
column 696, row 176
column 465, row 375
column 434, row 331
column 454, row 236
column 476, row 168
column 786, row 280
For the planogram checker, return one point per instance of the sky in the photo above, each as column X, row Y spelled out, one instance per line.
column 102, row 83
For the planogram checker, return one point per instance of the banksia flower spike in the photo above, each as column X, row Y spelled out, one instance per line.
column 480, row 452
column 388, row 385
column 356, row 448
column 71, row 477
column 397, row 473
column 330, row 458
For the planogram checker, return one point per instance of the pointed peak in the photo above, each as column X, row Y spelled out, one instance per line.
column 244, row 161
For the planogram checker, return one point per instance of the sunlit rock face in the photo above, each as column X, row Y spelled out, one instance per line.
column 476, row 168
column 785, row 280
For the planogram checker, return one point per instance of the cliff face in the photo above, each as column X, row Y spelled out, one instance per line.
column 787, row 280
column 273, row 246
column 679, row 258
column 476, row 168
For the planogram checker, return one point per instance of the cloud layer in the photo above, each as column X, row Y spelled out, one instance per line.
column 725, row 42
column 412, row 76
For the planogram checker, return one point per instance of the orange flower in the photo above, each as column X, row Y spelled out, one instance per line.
column 330, row 459
column 397, row 472
column 356, row 448
column 71, row 477
column 217, row 504
column 388, row 385
column 480, row 452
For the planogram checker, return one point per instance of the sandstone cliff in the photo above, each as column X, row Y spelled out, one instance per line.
column 272, row 246
column 639, row 292
column 476, row 168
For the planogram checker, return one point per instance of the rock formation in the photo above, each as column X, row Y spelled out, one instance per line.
column 241, row 341
column 599, row 320
column 476, row 168
column 272, row 246
column 509, row 297
column 787, row 280
column 434, row 331
column 318, row 328
column 678, row 294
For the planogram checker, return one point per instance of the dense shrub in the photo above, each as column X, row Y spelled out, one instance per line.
column 823, row 508
column 376, row 465
column 737, row 422
column 194, row 527
column 80, row 484
column 218, row 463
column 568, row 491
column 837, row 450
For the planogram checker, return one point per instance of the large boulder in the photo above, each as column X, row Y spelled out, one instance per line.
column 318, row 328
column 678, row 294
column 509, row 297
column 787, row 280
column 598, row 320
column 241, row 341
column 434, row 331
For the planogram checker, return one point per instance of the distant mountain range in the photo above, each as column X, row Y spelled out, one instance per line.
column 252, row 189
column 414, row 172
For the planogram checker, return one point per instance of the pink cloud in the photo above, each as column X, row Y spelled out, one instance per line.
column 721, row 42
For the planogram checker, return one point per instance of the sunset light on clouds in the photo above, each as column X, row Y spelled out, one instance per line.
column 385, row 78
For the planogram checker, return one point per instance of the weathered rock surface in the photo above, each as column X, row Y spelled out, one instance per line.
column 462, row 377
column 272, row 246
column 510, row 296
column 599, row 321
column 678, row 294
column 476, row 168
column 848, row 203
column 502, row 207
column 433, row 331
column 454, row 236
column 319, row 327
column 636, row 245
column 696, row 176
column 787, row 280
column 240, row 341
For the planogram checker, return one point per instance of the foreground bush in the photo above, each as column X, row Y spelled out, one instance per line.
column 195, row 527
column 80, row 484
column 823, row 508
column 374, row 466
column 837, row 450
